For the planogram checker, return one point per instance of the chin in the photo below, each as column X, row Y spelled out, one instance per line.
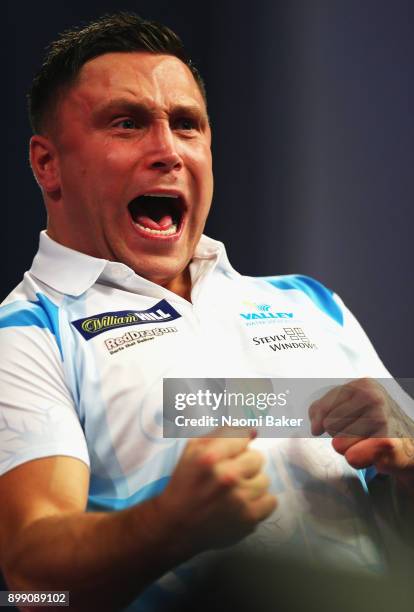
column 155, row 269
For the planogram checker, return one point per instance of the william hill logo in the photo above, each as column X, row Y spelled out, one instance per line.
column 91, row 327
column 263, row 312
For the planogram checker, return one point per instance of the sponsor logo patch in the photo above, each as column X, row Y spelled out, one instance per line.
column 134, row 337
column 90, row 327
column 261, row 313
column 291, row 338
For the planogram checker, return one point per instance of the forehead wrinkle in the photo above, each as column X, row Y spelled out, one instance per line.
column 181, row 103
column 161, row 87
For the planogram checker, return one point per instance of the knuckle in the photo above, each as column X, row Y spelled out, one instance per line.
column 370, row 397
column 314, row 408
column 226, row 479
column 353, row 461
column 261, row 483
column 375, row 398
column 340, row 445
column 388, row 444
column 368, row 390
column 332, row 425
column 256, row 458
column 364, row 383
column 377, row 416
column 268, row 508
column 258, row 510
column 195, row 444
column 205, row 459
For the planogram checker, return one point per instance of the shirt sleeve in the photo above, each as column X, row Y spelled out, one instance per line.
column 37, row 413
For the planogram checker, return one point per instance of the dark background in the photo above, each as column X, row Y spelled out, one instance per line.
column 311, row 103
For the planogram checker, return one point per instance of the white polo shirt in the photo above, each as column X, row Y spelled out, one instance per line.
column 86, row 343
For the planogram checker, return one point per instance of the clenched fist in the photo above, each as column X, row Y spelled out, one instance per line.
column 368, row 428
column 218, row 492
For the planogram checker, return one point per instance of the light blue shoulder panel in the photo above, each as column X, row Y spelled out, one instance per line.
column 318, row 293
column 25, row 313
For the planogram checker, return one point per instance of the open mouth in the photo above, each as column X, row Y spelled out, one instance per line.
column 158, row 214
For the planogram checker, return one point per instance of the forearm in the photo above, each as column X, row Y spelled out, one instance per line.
column 103, row 559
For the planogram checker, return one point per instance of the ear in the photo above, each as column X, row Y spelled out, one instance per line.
column 44, row 162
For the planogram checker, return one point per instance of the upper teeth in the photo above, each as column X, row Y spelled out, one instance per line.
column 161, row 195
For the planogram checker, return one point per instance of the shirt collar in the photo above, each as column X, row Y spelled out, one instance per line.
column 72, row 273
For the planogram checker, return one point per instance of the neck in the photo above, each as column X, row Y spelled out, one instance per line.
column 181, row 285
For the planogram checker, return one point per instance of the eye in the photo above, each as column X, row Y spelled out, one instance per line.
column 185, row 123
column 126, row 124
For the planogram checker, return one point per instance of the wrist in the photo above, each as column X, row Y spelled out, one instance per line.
column 165, row 529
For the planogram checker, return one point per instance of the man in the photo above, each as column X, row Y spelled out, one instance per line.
column 120, row 296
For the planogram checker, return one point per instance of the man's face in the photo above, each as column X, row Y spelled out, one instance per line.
column 133, row 145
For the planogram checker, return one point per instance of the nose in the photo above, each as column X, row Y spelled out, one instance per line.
column 162, row 151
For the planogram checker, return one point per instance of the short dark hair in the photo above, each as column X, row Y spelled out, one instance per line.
column 120, row 32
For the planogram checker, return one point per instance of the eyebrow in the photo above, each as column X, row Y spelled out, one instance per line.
column 124, row 105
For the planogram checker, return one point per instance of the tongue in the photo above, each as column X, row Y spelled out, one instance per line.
column 163, row 224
